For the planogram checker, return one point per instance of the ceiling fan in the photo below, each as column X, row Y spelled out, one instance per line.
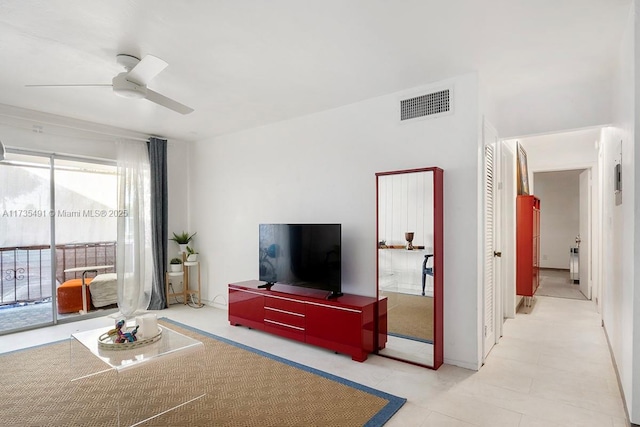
column 132, row 83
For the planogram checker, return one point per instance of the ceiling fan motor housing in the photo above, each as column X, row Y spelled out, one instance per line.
column 127, row 61
column 128, row 89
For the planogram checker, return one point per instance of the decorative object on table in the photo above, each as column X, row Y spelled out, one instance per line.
column 522, row 171
column 175, row 265
column 382, row 244
column 123, row 338
column 408, row 236
column 192, row 255
column 126, row 336
column 148, row 325
column 182, row 240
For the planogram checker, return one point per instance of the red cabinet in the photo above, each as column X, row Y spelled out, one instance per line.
column 246, row 305
column 527, row 245
column 346, row 324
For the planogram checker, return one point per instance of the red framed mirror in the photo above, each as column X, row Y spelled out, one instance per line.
column 410, row 261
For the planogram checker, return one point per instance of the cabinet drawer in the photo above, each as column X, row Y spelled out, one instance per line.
column 284, row 304
column 283, row 316
column 284, row 330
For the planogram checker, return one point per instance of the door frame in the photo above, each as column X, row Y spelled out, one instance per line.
column 508, row 196
column 593, row 260
column 588, row 269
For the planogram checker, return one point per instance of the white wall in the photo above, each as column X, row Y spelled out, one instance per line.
column 508, row 176
column 178, row 194
column 631, row 149
column 559, row 194
column 562, row 151
column 572, row 105
column 36, row 136
column 321, row 168
column 620, row 306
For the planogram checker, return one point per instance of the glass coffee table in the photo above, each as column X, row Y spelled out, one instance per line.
column 138, row 384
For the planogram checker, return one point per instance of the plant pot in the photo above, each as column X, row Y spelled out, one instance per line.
column 183, row 247
column 192, row 257
column 175, row 268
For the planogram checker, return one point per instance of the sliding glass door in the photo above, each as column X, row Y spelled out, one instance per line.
column 58, row 220
column 85, row 235
column 25, row 242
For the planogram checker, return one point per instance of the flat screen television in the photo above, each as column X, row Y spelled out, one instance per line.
column 307, row 255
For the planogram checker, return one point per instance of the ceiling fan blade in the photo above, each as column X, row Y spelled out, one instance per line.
column 149, row 67
column 80, row 85
column 167, row 102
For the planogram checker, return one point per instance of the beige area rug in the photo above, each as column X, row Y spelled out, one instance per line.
column 242, row 387
column 410, row 316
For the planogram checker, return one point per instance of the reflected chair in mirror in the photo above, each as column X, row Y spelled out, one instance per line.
column 426, row 271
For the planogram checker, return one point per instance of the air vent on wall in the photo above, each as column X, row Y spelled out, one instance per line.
column 426, row 105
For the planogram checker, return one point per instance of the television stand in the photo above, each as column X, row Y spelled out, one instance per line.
column 334, row 294
column 344, row 324
column 267, row 285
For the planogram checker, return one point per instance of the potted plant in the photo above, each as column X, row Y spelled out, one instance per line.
column 192, row 256
column 175, row 265
column 182, row 239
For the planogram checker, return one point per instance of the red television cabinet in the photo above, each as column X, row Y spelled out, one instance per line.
column 346, row 324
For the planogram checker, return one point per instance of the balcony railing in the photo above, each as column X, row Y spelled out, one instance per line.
column 25, row 272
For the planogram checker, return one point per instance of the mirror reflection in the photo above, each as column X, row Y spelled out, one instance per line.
column 406, row 264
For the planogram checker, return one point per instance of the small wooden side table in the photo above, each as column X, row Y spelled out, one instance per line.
column 170, row 274
column 187, row 291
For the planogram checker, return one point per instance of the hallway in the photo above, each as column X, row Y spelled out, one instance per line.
column 555, row 359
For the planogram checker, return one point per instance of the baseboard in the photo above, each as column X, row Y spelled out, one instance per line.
column 461, row 364
column 615, row 368
column 219, row 301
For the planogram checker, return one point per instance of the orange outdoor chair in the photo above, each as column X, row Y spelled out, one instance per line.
column 70, row 296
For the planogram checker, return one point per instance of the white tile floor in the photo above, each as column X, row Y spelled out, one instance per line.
column 558, row 283
column 551, row 368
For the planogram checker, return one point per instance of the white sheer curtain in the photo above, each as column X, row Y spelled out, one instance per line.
column 134, row 254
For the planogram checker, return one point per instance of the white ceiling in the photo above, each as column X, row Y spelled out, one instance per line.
column 246, row 63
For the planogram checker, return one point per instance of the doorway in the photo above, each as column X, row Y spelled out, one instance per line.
column 571, row 151
column 565, row 233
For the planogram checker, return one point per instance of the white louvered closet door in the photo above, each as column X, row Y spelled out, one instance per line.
column 490, row 300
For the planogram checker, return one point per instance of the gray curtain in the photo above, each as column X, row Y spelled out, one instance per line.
column 159, row 230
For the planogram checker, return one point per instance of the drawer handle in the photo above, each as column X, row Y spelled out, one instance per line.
column 334, row 307
column 284, row 311
column 283, row 324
